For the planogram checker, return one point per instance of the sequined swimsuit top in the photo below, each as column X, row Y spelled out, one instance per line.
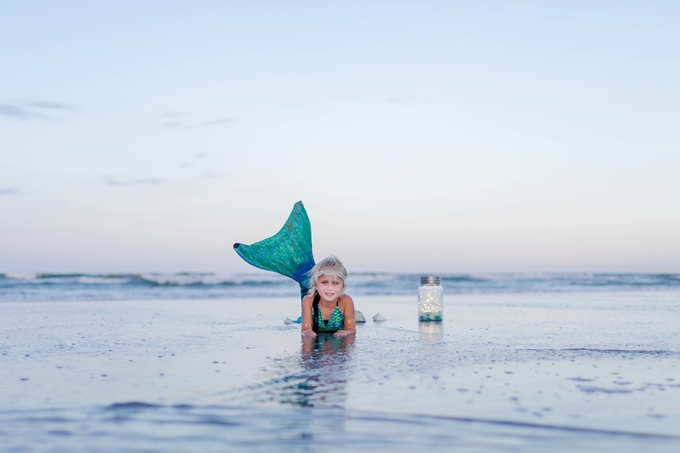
column 335, row 322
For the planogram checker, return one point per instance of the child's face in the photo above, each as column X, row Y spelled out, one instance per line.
column 329, row 287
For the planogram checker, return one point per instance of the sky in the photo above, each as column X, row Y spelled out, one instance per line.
column 447, row 136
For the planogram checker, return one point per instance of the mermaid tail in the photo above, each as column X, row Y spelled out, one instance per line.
column 288, row 252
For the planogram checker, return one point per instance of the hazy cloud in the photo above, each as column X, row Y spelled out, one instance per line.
column 8, row 191
column 406, row 99
column 196, row 157
column 211, row 175
column 183, row 120
column 219, row 121
column 173, row 121
column 51, row 105
column 14, row 111
column 116, row 181
column 40, row 110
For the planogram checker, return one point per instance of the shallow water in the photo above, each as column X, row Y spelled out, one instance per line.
column 503, row 372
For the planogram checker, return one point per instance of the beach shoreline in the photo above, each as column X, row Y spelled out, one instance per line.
column 604, row 363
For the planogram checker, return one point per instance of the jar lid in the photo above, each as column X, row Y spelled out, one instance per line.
column 429, row 280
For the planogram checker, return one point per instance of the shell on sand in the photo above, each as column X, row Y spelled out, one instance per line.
column 287, row 321
column 359, row 316
column 379, row 318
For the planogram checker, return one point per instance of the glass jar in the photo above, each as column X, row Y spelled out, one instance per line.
column 430, row 299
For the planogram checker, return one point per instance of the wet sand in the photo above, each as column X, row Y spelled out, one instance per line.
column 599, row 371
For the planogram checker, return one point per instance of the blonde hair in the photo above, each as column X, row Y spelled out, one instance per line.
column 333, row 265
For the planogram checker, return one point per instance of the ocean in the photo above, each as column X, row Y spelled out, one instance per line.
column 204, row 362
column 196, row 285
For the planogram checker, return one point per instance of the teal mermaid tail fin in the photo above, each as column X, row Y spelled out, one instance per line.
column 288, row 252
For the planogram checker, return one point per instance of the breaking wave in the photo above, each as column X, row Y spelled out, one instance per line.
column 131, row 286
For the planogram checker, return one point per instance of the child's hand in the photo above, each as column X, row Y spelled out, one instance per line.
column 309, row 333
column 343, row 333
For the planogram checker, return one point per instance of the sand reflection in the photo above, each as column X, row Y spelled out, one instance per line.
column 431, row 332
column 315, row 377
column 325, row 361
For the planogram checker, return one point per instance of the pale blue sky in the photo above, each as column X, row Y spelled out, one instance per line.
column 422, row 136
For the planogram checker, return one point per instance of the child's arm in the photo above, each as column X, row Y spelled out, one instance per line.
column 350, row 321
column 306, row 326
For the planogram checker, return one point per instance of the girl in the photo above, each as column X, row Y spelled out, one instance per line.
column 326, row 308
